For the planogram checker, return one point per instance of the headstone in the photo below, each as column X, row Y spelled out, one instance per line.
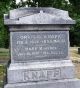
column 39, row 45
column 78, row 50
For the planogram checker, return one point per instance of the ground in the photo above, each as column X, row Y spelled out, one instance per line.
column 4, row 57
column 74, row 54
column 75, row 57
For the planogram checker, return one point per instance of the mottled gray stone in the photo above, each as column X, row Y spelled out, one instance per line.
column 39, row 28
column 23, row 11
column 66, row 83
column 40, row 71
column 38, row 16
column 39, row 46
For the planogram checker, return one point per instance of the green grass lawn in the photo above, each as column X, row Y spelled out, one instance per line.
column 4, row 56
column 2, row 74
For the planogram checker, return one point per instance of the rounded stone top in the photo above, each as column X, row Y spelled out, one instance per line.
column 37, row 15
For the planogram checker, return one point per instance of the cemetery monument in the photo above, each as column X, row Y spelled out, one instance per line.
column 39, row 49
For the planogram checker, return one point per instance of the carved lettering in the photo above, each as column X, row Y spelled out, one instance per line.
column 46, row 74
column 39, row 45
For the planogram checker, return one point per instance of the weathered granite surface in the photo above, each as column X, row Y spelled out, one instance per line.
column 40, row 71
column 39, row 27
column 38, row 16
column 39, row 45
column 66, row 83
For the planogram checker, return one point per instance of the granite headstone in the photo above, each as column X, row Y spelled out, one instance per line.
column 39, row 45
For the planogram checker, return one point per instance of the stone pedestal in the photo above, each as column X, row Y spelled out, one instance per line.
column 39, row 45
column 42, row 71
column 66, row 83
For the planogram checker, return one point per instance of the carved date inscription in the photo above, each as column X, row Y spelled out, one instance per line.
column 41, row 45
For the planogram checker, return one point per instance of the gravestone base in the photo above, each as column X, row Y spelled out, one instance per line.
column 66, row 83
column 40, row 71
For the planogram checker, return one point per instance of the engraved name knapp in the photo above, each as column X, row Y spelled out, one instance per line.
column 37, row 75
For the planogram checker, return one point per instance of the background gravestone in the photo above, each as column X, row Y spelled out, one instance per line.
column 39, row 45
column 78, row 50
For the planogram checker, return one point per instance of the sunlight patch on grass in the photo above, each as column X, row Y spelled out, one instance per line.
column 4, row 54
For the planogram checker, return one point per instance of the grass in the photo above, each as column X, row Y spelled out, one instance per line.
column 4, row 57
column 75, row 57
column 74, row 54
column 2, row 74
column 4, row 54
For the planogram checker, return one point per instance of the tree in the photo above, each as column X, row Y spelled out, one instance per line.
column 75, row 14
column 46, row 3
column 5, row 6
column 76, row 5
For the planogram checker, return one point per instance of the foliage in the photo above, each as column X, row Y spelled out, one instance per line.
column 76, row 5
column 75, row 31
column 5, row 6
column 44, row 3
